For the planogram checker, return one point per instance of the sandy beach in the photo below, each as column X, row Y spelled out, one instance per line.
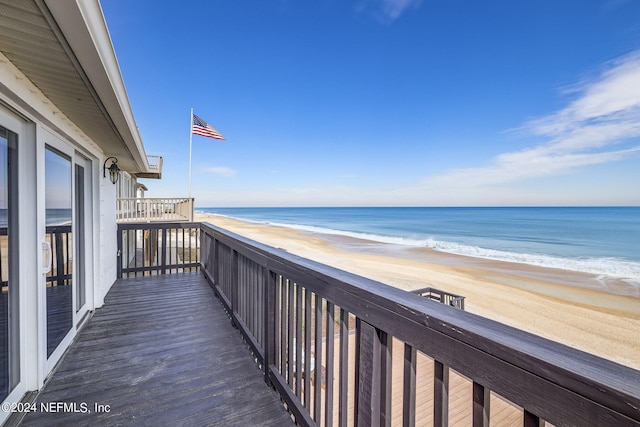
column 568, row 307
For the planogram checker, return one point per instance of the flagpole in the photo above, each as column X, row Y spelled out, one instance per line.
column 190, row 149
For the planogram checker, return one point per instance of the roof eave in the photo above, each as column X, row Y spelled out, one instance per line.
column 84, row 29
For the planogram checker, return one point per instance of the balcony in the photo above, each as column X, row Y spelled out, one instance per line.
column 338, row 349
column 154, row 209
column 155, row 168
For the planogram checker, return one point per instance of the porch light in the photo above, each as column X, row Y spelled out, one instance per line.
column 114, row 170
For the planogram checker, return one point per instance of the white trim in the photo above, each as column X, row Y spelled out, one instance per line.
column 24, row 130
column 87, row 235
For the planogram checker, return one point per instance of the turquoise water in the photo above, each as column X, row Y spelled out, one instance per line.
column 53, row 217
column 598, row 240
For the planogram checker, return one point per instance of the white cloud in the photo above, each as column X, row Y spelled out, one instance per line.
column 390, row 9
column 394, row 8
column 523, row 165
column 605, row 113
column 220, row 170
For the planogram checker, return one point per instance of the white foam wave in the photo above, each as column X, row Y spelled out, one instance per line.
column 611, row 267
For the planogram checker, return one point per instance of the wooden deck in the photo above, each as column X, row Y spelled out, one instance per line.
column 161, row 351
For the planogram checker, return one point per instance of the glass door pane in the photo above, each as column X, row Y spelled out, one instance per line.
column 9, row 329
column 81, row 297
column 59, row 287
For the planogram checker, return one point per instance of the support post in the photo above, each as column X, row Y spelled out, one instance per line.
column 440, row 394
column 481, row 406
column 269, row 322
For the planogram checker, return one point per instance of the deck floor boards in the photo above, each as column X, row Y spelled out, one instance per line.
column 161, row 351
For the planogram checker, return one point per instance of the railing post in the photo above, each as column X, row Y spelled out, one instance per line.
column 481, row 406
column 318, row 377
column 269, row 322
column 163, row 263
column 119, row 253
column 365, row 381
column 440, row 394
column 373, row 375
column 330, row 341
column 386, row 380
column 343, row 405
column 203, row 253
column 235, row 284
column 409, row 387
column 532, row 420
column 216, row 261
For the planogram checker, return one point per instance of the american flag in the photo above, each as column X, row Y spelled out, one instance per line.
column 202, row 128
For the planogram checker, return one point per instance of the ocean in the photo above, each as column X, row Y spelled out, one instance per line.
column 604, row 241
column 53, row 217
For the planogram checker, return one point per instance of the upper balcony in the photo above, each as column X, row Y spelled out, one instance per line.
column 155, row 168
column 154, row 209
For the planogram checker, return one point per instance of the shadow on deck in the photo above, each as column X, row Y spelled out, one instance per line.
column 161, row 351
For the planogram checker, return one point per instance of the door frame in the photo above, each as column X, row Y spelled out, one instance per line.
column 86, row 234
column 48, row 139
column 24, row 129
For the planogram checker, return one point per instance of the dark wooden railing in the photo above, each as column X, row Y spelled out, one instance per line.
column 295, row 313
column 61, row 241
column 341, row 349
column 158, row 248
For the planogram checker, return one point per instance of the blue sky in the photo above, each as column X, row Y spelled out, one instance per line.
column 387, row 102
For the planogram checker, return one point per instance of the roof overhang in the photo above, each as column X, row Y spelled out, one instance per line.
column 64, row 48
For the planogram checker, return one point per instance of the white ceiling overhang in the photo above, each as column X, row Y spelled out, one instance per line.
column 64, row 48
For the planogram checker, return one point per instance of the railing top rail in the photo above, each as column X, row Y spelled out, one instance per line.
column 402, row 313
column 58, row 228
column 160, row 199
column 156, row 225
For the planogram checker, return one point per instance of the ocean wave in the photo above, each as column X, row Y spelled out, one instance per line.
column 611, row 267
column 627, row 270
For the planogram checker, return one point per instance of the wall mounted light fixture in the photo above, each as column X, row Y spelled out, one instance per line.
column 114, row 170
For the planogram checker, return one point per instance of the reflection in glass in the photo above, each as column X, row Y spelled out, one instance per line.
column 58, row 184
column 9, row 328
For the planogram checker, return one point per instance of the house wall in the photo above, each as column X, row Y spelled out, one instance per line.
column 24, row 109
column 108, row 240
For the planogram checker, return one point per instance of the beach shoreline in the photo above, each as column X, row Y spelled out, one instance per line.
column 568, row 307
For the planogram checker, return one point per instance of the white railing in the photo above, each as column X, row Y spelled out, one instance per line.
column 155, row 168
column 154, row 209
column 155, row 163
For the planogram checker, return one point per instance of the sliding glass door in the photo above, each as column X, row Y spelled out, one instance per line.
column 9, row 319
column 59, row 239
column 68, row 245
